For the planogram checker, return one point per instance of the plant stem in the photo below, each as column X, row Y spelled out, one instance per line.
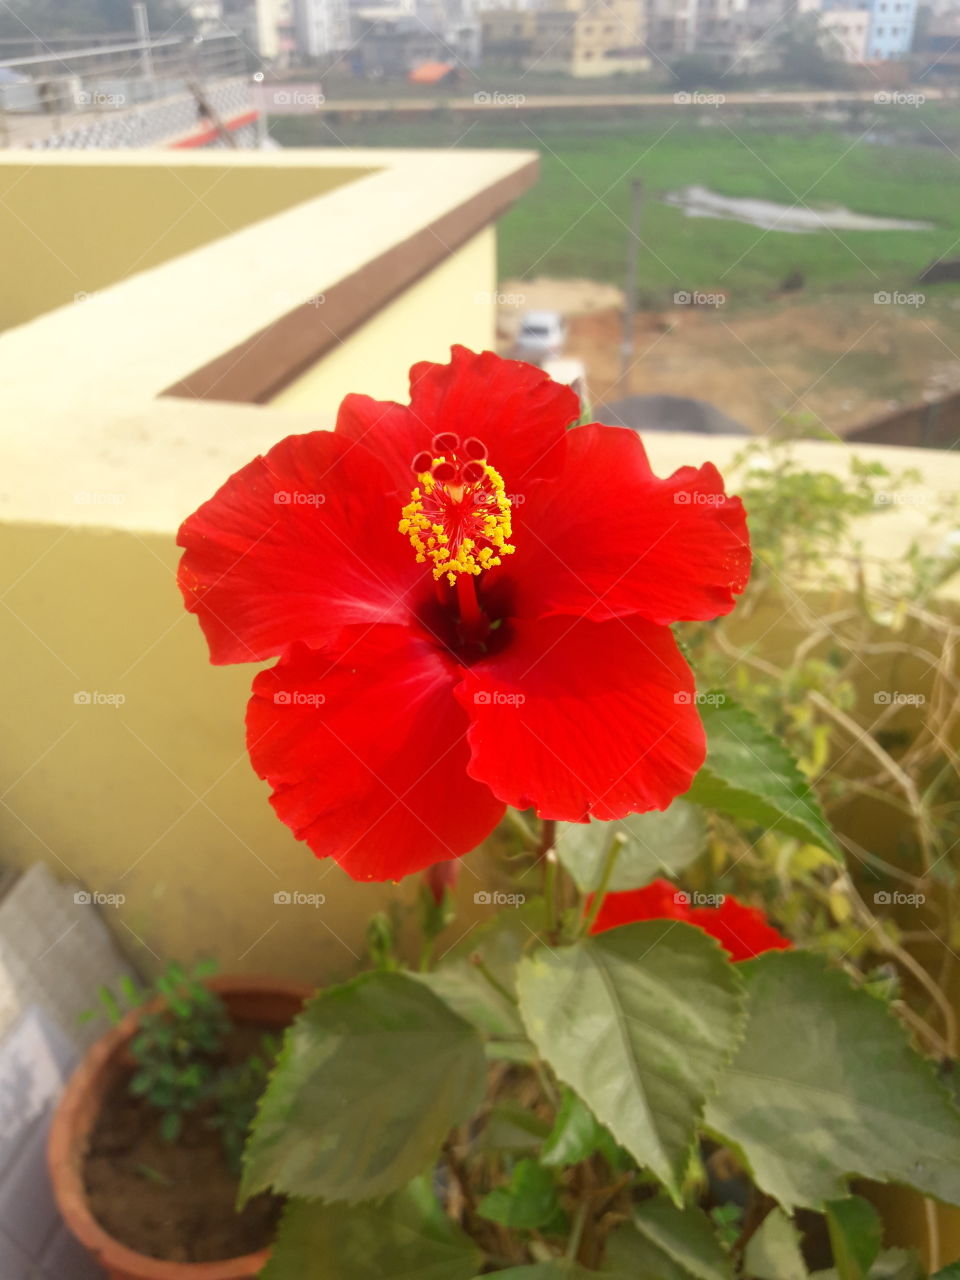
column 548, row 838
column 517, row 821
column 576, row 1231
column 480, row 965
column 617, row 843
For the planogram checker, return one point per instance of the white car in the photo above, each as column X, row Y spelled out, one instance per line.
column 542, row 335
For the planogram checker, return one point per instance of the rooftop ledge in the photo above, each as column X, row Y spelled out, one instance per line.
column 143, row 391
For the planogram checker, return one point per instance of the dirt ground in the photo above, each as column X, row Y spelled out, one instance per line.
column 835, row 363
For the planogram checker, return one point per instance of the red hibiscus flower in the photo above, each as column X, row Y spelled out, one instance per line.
column 742, row 931
column 470, row 605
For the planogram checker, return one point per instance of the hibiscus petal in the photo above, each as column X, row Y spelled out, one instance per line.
column 578, row 718
column 296, row 545
column 390, row 431
column 518, row 412
column 609, row 538
column 742, row 931
column 367, row 755
column 659, row 900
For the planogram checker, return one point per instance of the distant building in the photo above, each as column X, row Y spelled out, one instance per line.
column 745, row 31
column 322, row 27
column 891, row 29
column 595, row 38
column 848, row 31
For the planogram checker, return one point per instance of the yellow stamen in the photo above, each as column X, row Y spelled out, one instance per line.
column 461, row 528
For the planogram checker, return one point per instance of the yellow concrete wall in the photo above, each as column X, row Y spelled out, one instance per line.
column 76, row 229
column 453, row 302
column 152, row 797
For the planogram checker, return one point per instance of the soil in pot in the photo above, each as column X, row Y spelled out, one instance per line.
column 173, row 1200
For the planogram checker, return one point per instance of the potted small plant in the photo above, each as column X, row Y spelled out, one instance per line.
column 145, row 1146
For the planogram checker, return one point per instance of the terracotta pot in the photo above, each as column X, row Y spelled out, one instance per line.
column 267, row 1001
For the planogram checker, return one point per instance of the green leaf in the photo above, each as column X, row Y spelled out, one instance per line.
column 825, row 1086
column 856, row 1234
column 749, row 774
column 559, row 1269
column 773, row 1251
column 512, row 1127
column 529, row 1200
column 951, row 1272
column 657, row 844
column 371, row 1078
column 406, row 1236
column 171, row 1123
column 892, row 1264
column 576, row 1133
column 639, row 1021
column 463, row 987
column 669, row 1244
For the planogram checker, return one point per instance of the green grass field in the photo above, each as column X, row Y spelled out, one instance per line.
column 572, row 224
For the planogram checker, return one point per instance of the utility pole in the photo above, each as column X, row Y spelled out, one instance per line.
column 630, row 286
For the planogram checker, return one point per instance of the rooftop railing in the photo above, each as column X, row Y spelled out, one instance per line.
column 58, row 79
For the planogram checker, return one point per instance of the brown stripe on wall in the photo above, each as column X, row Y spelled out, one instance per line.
column 255, row 370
